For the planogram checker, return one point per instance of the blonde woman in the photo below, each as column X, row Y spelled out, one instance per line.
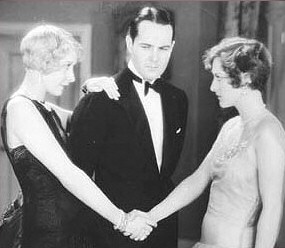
column 34, row 136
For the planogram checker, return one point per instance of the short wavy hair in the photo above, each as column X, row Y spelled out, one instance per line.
column 45, row 45
column 239, row 55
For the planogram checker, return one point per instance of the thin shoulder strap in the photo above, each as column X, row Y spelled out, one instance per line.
column 4, row 124
column 4, row 129
column 59, row 133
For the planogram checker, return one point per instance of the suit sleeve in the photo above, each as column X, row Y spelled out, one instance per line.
column 88, row 131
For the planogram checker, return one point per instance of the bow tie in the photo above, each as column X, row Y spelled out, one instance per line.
column 156, row 85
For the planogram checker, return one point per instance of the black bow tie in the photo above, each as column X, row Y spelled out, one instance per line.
column 156, row 85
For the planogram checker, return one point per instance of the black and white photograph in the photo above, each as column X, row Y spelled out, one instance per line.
column 142, row 124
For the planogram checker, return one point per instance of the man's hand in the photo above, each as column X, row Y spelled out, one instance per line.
column 107, row 84
column 139, row 225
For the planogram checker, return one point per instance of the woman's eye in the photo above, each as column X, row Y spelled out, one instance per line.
column 218, row 78
column 67, row 66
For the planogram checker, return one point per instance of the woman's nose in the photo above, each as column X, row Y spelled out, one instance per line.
column 213, row 86
column 70, row 76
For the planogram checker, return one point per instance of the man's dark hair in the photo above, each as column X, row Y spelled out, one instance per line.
column 154, row 14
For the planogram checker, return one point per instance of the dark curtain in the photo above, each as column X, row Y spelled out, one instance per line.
column 246, row 19
column 241, row 18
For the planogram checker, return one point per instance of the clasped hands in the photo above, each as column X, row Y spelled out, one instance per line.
column 137, row 225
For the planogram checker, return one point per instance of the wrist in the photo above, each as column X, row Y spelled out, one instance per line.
column 122, row 221
column 153, row 216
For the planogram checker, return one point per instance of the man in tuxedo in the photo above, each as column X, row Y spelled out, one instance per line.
column 133, row 145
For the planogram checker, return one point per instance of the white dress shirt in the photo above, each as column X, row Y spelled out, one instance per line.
column 153, row 109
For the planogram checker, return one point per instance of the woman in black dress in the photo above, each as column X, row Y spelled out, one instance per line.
column 33, row 133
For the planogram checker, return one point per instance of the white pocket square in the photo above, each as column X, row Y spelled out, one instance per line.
column 178, row 130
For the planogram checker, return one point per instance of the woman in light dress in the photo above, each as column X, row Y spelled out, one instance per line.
column 246, row 163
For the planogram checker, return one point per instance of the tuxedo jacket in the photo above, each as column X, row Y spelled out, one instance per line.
column 113, row 139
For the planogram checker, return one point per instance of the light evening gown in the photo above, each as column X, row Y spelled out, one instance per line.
column 235, row 203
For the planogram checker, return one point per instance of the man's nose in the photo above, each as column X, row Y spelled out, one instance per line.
column 154, row 55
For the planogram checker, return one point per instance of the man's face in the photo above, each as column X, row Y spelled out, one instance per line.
column 151, row 49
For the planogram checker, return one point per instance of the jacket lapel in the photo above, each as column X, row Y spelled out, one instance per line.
column 130, row 101
column 168, row 115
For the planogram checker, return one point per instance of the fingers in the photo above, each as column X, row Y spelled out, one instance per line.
column 146, row 216
column 111, row 88
column 148, row 229
column 126, row 233
column 141, row 235
column 136, row 213
column 138, row 229
column 93, row 85
column 107, row 84
column 112, row 80
column 139, row 225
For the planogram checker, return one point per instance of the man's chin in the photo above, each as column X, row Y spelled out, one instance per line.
column 152, row 77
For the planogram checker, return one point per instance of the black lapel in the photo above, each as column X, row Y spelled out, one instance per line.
column 168, row 106
column 130, row 101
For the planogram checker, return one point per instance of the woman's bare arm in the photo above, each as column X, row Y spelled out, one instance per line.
column 26, row 123
column 271, row 166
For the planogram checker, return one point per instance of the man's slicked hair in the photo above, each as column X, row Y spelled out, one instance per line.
column 154, row 14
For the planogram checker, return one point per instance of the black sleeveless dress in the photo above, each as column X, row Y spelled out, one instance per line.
column 48, row 208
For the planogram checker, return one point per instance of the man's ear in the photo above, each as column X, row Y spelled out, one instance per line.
column 129, row 43
column 172, row 45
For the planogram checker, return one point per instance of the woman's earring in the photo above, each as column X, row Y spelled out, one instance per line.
column 245, row 82
column 244, row 89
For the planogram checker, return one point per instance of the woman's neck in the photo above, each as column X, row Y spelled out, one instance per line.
column 32, row 86
column 251, row 105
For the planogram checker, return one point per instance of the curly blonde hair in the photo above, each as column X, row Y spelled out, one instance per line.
column 45, row 45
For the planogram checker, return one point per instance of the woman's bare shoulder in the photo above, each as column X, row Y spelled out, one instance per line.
column 19, row 104
column 270, row 128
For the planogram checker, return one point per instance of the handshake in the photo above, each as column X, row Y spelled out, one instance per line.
column 136, row 224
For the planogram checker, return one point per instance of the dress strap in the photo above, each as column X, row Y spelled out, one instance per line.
column 4, row 124
column 18, row 95
column 4, row 129
column 50, row 117
column 58, row 123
